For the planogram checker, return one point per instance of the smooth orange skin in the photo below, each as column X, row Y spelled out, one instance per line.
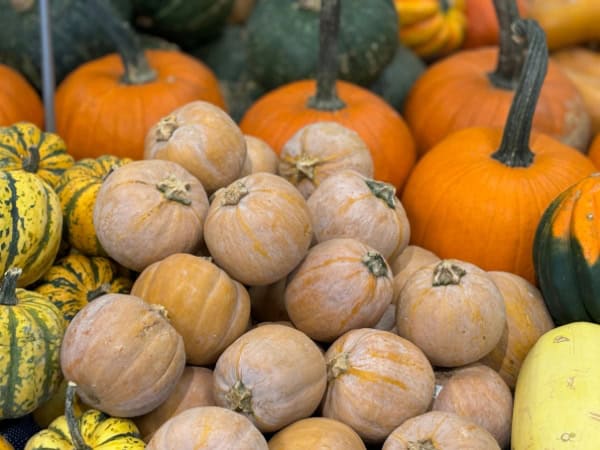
column 18, row 100
column 96, row 113
column 594, row 151
column 278, row 115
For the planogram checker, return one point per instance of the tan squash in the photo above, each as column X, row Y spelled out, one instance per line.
column 202, row 138
column 438, row 430
column 349, row 205
column 320, row 149
column 207, row 428
column 123, row 355
column 316, row 433
column 377, row 380
column 453, row 311
column 406, row 263
column 527, row 318
column 268, row 302
column 260, row 157
column 477, row 393
column 208, row 308
column 342, row 284
column 258, row 228
column 273, row 374
column 194, row 389
column 148, row 210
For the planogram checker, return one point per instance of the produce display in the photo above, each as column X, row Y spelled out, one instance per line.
column 300, row 224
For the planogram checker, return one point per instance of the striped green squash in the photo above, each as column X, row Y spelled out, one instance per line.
column 30, row 224
column 77, row 190
column 76, row 279
column 23, row 146
column 31, row 331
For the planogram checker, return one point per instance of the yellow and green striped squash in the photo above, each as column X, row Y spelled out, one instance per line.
column 76, row 279
column 23, row 146
column 77, row 190
column 31, row 331
column 30, row 224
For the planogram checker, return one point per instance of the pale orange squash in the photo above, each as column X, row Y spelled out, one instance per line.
column 316, row 433
column 260, row 157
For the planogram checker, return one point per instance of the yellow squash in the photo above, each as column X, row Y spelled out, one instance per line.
column 4, row 444
column 557, row 397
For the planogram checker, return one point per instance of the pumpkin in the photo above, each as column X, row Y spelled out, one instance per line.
column 436, row 105
column 283, row 40
column 4, row 444
column 377, row 380
column 23, row 146
column 411, row 259
column 208, row 308
column 268, row 302
column 94, row 104
column 431, row 28
column 258, row 228
column 207, row 427
column 31, row 328
column 203, row 139
column 527, row 318
column 30, row 224
column 482, row 23
column 92, row 430
column 193, row 389
column 486, row 185
column 341, row 284
column 316, row 433
column 149, row 201
column 27, row 106
column 260, row 157
column 342, row 202
column 566, row 254
column 123, row 355
column 272, row 374
column 479, row 394
column 594, row 151
column 75, row 280
column 439, row 430
column 77, row 190
column 453, row 311
column 300, row 103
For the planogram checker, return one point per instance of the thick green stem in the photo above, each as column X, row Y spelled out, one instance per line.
column 239, row 398
column 8, row 287
column 72, row 422
column 375, row 263
column 511, row 54
column 447, row 273
column 137, row 68
column 326, row 98
column 514, row 150
column 384, row 191
column 31, row 162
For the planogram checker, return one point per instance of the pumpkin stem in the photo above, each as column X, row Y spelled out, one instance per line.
column 446, row 273
column 375, row 263
column 301, row 167
column 421, row 445
column 234, row 193
column 239, row 398
column 8, row 286
column 137, row 68
column 511, row 54
column 31, row 162
column 165, row 128
column 72, row 422
column 104, row 288
column 514, row 150
column 384, row 191
column 326, row 98
column 337, row 366
column 174, row 189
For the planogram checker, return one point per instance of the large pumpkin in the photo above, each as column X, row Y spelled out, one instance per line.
column 27, row 106
column 483, row 185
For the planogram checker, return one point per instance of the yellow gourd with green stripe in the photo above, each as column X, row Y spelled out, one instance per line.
column 30, row 224
column 76, row 279
column 31, row 331
column 23, row 146
column 77, row 190
column 557, row 397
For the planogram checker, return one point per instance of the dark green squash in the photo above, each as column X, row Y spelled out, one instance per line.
column 283, row 40
column 566, row 253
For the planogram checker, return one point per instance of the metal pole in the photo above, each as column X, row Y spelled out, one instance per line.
column 48, row 80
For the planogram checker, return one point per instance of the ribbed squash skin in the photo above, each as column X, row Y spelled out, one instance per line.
column 77, row 190
column 30, row 336
column 30, row 224
column 24, row 146
column 566, row 253
column 76, row 279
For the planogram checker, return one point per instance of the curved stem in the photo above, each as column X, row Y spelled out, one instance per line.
column 511, row 54
column 31, row 162
column 8, row 287
column 72, row 421
column 137, row 68
column 514, row 150
column 326, row 98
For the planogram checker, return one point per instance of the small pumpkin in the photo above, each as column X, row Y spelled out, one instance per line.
column 26, row 107
column 260, row 157
column 119, row 337
column 31, row 328
column 317, row 433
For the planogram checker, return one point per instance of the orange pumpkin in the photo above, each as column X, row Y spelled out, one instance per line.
column 18, row 100
column 594, row 151
column 480, row 193
column 111, row 102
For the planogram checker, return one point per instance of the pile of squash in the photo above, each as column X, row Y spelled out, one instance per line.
column 342, row 263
